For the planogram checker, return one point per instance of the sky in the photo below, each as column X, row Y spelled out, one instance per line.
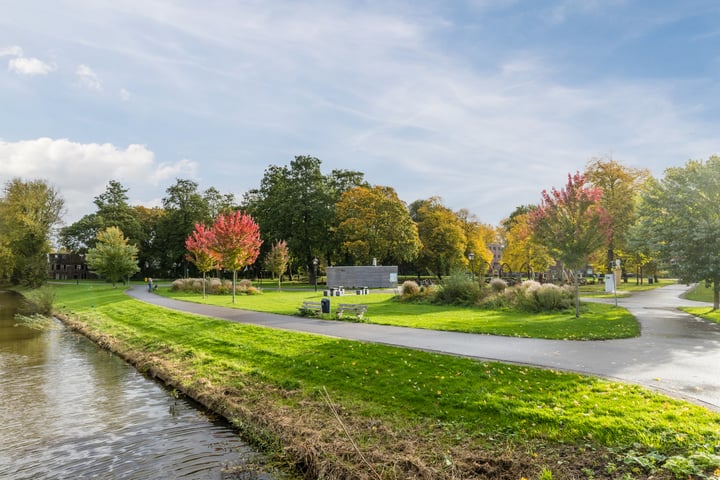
column 484, row 103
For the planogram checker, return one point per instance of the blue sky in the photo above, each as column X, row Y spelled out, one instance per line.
column 484, row 103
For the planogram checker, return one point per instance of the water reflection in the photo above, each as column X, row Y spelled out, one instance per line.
column 71, row 410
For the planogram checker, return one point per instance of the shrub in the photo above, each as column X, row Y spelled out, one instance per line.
column 498, row 285
column 178, row 285
column 552, row 297
column 458, row 289
column 214, row 285
column 409, row 287
column 39, row 301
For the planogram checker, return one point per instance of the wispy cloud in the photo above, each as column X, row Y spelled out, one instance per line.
column 88, row 78
column 12, row 50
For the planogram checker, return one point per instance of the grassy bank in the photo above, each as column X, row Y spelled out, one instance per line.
column 339, row 409
column 598, row 321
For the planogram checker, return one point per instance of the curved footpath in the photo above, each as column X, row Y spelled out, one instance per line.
column 676, row 353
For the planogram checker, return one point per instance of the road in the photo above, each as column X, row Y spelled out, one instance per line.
column 676, row 353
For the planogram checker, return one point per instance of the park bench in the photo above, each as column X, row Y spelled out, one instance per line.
column 311, row 307
column 351, row 308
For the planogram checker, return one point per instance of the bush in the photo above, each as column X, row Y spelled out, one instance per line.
column 498, row 285
column 459, row 289
column 409, row 287
column 552, row 297
column 39, row 301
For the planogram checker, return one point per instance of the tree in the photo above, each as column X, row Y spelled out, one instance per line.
column 28, row 213
column 522, row 252
column 441, row 234
column 477, row 238
column 679, row 218
column 620, row 185
column 374, row 223
column 200, row 245
column 237, row 242
column 112, row 257
column 297, row 203
column 277, row 259
column 572, row 224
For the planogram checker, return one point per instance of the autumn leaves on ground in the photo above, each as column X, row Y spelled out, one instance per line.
column 329, row 408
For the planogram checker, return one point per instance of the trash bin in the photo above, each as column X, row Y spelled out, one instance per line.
column 650, row 280
column 325, row 305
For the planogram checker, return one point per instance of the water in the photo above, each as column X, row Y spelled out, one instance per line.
column 70, row 410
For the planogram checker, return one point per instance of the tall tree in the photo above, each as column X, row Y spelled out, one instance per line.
column 28, row 213
column 112, row 257
column 297, row 203
column 442, row 236
column 277, row 259
column 372, row 222
column 522, row 252
column 200, row 250
column 679, row 218
column 477, row 238
column 619, row 185
column 572, row 224
column 237, row 242
column 184, row 206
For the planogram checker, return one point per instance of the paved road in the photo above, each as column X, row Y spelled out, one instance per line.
column 676, row 353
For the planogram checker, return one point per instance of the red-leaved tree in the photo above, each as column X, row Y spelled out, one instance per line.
column 200, row 245
column 572, row 225
column 237, row 242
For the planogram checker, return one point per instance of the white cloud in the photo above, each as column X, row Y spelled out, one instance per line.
column 125, row 95
column 29, row 66
column 12, row 50
column 88, row 78
column 80, row 171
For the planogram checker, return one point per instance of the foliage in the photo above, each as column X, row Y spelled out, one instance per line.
column 679, row 219
column 372, row 222
column 297, row 203
column 36, row 321
column 619, row 185
column 458, row 289
column 200, row 250
column 213, row 285
column 478, row 236
column 236, row 242
column 28, row 213
column 522, row 252
column 498, row 285
column 572, row 224
column 488, row 409
column 442, row 236
column 112, row 257
column 277, row 259
column 409, row 287
column 39, row 301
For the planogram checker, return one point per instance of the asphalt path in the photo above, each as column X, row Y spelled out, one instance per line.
column 676, row 353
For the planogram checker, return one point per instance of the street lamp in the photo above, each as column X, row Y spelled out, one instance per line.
column 471, row 257
column 315, row 264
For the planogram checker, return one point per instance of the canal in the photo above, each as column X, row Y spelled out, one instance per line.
column 69, row 409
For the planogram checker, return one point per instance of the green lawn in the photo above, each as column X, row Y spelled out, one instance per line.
column 597, row 321
column 442, row 408
column 701, row 293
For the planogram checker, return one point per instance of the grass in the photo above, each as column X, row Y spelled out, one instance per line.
column 701, row 293
column 597, row 321
column 410, row 412
column 624, row 289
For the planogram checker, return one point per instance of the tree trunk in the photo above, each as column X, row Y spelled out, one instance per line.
column 716, row 294
column 576, row 280
column 234, row 280
column 204, row 285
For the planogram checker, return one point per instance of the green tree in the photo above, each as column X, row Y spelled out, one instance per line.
column 619, row 185
column 572, row 224
column 28, row 213
column 374, row 223
column 236, row 242
column 679, row 218
column 277, row 259
column 112, row 257
column 442, row 236
column 297, row 203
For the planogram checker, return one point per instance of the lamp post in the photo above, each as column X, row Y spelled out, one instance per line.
column 315, row 265
column 471, row 257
